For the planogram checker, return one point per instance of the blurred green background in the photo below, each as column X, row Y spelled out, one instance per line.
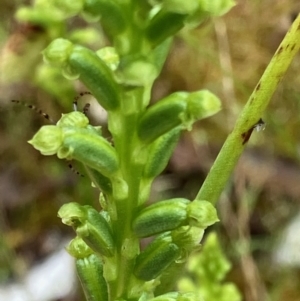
column 226, row 55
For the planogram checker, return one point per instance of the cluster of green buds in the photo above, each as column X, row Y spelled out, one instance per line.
column 155, row 20
column 90, row 225
column 72, row 138
column 156, row 130
column 109, row 260
column 180, row 224
column 170, row 214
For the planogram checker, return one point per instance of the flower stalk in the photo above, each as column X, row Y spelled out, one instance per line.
column 250, row 115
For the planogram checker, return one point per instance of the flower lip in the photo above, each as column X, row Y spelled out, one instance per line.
column 47, row 140
column 75, row 119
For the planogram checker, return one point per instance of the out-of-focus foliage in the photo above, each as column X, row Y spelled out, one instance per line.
column 226, row 56
column 207, row 270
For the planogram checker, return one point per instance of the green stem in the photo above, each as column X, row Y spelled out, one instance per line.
column 123, row 125
column 252, row 112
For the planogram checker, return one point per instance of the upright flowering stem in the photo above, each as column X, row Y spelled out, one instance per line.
column 251, row 114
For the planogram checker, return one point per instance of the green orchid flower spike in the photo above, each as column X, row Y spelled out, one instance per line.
column 112, row 262
column 109, row 261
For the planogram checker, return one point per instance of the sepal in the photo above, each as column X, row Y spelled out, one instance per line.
column 200, row 104
column 48, row 140
column 73, row 119
column 78, row 248
column 109, row 56
column 188, row 238
column 89, row 225
column 58, row 52
column 202, row 214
